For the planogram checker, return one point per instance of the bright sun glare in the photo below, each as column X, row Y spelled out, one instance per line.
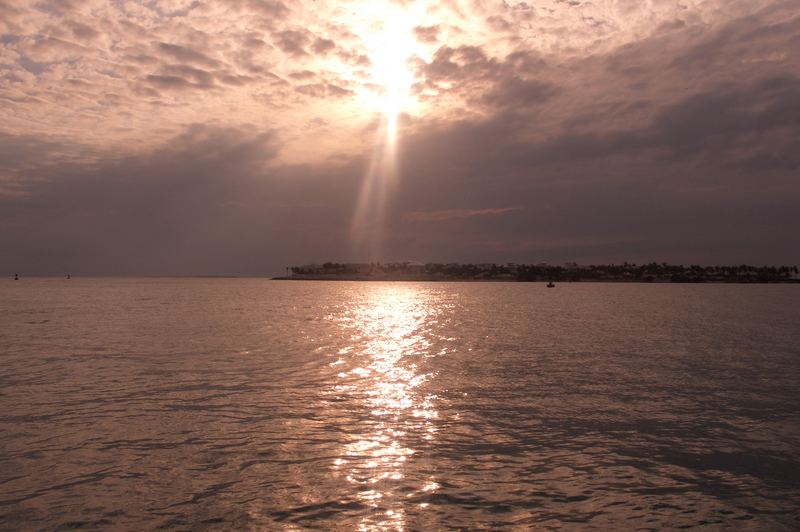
column 389, row 38
column 387, row 31
column 391, row 71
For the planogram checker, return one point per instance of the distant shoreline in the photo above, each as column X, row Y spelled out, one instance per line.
column 426, row 279
column 652, row 272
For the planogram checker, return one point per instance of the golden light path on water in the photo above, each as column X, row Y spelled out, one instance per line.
column 385, row 374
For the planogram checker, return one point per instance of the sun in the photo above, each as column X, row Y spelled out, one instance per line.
column 386, row 30
column 390, row 68
column 388, row 35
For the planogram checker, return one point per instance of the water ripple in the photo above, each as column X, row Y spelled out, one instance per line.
column 246, row 404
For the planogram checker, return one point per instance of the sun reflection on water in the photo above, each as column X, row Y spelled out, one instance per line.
column 385, row 373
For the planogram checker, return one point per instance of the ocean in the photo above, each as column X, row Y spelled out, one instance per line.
column 135, row 404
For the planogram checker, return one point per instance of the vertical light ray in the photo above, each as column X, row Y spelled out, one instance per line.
column 391, row 40
column 369, row 219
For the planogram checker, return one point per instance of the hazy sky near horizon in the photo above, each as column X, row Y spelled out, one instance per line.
column 240, row 136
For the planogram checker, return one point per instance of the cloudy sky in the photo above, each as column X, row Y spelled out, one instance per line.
column 241, row 136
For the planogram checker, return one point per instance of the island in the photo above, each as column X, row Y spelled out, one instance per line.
column 653, row 272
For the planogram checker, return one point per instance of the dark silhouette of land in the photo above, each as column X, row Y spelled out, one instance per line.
column 653, row 272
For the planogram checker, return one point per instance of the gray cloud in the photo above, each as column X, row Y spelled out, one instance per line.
column 186, row 55
column 517, row 93
column 293, row 42
column 206, row 201
column 324, row 90
column 456, row 214
column 428, row 34
column 683, row 145
column 323, row 46
column 269, row 8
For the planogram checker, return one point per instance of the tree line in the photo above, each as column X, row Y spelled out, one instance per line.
column 650, row 272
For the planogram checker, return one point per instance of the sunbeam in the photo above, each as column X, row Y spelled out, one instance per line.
column 390, row 37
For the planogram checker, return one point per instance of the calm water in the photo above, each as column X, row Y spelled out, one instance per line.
column 234, row 403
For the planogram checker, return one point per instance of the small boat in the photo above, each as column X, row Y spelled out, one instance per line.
column 551, row 284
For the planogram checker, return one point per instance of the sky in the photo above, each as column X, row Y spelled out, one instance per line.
column 237, row 137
